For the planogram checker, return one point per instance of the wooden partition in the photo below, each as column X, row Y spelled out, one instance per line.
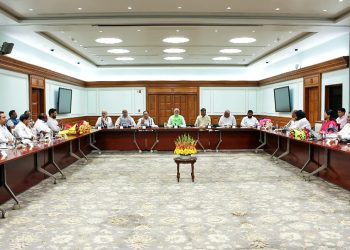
column 161, row 102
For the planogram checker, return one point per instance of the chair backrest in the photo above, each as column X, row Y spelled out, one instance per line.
column 318, row 127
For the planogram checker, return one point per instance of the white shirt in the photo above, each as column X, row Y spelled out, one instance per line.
column 125, row 121
column 41, row 126
column 22, row 131
column 5, row 135
column 302, row 123
column 342, row 121
column 229, row 121
column 249, row 122
column 104, row 121
column 146, row 122
column 345, row 132
column 53, row 124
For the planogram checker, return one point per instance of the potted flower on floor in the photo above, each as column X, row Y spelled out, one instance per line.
column 185, row 146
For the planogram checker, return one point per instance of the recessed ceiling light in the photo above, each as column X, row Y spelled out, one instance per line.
column 138, row 30
column 216, row 30
column 80, row 8
column 129, row 8
column 108, row 40
column 340, row 0
column 81, row 45
column 177, row 30
column 173, row 58
column 324, row 10
column 222, row 58
column 230, row 51
column 174, row 50
column 176, row 40
column 100, row 31
column 118, row 51
column 31, row 9
column 277, row 9
column 179, row 7
column 253, row 31
column 146, row 51
column 243, row 40
column 124, row 59
column 228, row 8
column 290, row 32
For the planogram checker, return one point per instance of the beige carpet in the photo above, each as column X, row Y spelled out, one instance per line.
column 133, row 201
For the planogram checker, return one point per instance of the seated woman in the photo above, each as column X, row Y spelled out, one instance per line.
column 300, row 121
column 329, row 125
column 345, row 132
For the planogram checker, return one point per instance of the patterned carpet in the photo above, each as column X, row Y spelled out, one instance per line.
column 133, row 201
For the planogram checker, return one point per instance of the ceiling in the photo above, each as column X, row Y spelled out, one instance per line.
column 277, row 25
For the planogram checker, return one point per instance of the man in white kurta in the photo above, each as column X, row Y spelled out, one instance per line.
column 345, row 132
column 227, row 121
column 249, row 121
column 146, row 120
column 22, row 129
column 342, row 119
column 40, row 126
column 125, row 120
column 300, row 121
column 104, row 121
column 5, row 135
column 52, row 122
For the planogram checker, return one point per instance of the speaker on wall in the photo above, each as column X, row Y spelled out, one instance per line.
column 6, row 48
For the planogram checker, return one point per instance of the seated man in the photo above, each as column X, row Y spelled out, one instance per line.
column 22, row 129
column 146, row 120
column 176, row 120
column 12, row 121
column 291, row 122
column 5, row 135
column 342, row 119
column 203, row 120
column 125, row 120
column 104, row 121
column 345, row 132
column 249, row 121
column 227, row 121
column 40, row 126
column 52, row 122
column 300, row 121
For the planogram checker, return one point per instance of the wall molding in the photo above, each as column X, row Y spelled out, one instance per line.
column 331, row 65
column 30, row 69
column 185, row 83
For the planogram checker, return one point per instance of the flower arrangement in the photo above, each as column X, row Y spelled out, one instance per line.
column 185, row 145
column 76, row 129
column 265, row 123
column 300, row 134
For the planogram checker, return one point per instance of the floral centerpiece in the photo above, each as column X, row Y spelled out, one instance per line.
column 76, row 129
column 300, row 134
column 185, row 146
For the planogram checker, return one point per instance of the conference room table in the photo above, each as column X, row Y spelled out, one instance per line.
column 26, row 167
column 313, row 157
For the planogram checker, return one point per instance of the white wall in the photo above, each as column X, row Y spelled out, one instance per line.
column 266, row 101
column 114, row 100
column 336, row 77
column 79, row 98
column 14, row 92
column 237, row 100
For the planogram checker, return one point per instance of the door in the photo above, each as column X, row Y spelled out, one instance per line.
column 312, row 98
column 37, row 105
column 161, row 107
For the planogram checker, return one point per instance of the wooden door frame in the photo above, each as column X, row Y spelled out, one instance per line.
column 33, row 84
column 313, row 81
